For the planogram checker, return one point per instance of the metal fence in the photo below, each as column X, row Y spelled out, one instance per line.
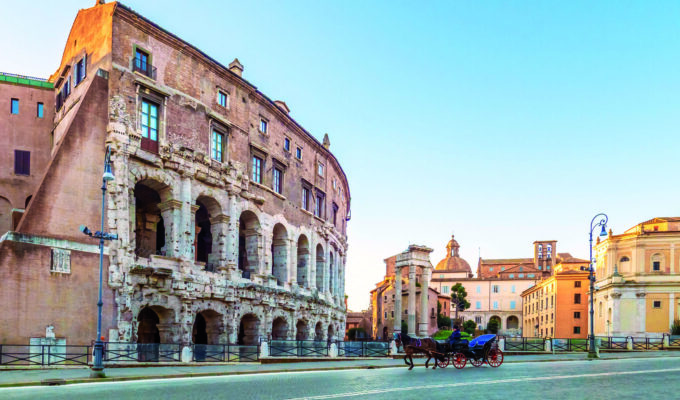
column 226, row 353
column 363, row 349
column 645, row 343
column 524, row 344
column 570, row 344
column 11, row 354
column 142, row 352
column 298, row 348
column 673, row 340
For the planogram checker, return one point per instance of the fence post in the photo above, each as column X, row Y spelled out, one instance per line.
column 393, row 348
column 666, row 340
column 333, row 350
column 629, row 343
column 547, row 345
column 501, row 343
column 264, row 349
column 187, row 354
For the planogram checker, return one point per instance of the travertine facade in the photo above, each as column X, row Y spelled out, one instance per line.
column 231, row 217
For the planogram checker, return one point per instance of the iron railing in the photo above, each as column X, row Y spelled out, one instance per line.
column 11, row 354
column 226, row 353
column 524, row 344
column 142, row 352
column 673, row 340
column 144, row 67
column 645, row 343
column 363, row 349
column 298, row 348
column 570, row 344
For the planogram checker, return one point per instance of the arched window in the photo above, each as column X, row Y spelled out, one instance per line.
column 624, row 259
column 657, row 260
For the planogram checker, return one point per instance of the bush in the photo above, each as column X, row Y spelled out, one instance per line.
column 675, row 328
column 355, row 333
column 492, row 326
column 469, row 327
column 443, row 321
column 442, row 334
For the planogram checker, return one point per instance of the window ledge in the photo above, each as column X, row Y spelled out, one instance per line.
column 320, row 219
column 270, row 190
column 307, row 212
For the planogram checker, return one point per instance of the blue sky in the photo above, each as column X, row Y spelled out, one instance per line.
column 502, row 122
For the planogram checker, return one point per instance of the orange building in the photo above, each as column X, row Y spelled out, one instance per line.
column 558, row 306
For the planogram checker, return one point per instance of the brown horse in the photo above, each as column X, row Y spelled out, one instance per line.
column 414, row 345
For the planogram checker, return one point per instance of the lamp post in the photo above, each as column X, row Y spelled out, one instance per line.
column 602, row 221
column 97, row 365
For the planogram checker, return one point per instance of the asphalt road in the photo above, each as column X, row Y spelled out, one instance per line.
column 657, row 378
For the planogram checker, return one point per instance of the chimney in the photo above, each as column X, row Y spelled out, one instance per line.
column 236, row 67
column 282, row 105
column 326, row 141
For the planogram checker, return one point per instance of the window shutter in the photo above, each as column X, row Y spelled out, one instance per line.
column 17, row 161
column 84, row 67
column 27, row 162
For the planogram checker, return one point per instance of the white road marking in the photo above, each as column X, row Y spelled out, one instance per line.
column 489, row 382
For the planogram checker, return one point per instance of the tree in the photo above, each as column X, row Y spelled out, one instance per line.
column 458, row 298
column 469, row 326
column 492, row 326
column 442, row 320
column 356, row 333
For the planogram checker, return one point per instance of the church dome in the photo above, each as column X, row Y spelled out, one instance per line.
column 453, row 262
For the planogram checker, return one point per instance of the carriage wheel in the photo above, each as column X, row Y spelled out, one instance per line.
column 495, row 358
column 443, row 363
column 459, row 360
column 477, row 362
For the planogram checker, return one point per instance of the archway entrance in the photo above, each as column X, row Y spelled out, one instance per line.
column 302, row 261
column 203, row 245
column 148, row 335
column 385, row 332
column 320, row 270
column 248, row 243
column 331, row 333
column 249, row 330
column 512, row 322
column 318, row 332
column 301, row 330
column 279, row 329
column 150, row 227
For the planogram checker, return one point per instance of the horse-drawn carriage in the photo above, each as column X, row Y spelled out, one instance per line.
column 480, row 350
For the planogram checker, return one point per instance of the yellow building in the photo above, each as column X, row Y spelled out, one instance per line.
column 638, row 280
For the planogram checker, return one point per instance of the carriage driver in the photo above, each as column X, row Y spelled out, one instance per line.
column 455, row 336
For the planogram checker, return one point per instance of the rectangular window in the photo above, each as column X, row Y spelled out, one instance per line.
column 512, row 304
column 263, row 126
column 520, row 275
column 149, row 126
column 15, row 106
column 305, row 199
column 656, row 265
column 531, row 275
column 657, row 304
column 222, row 99
column 298, row 153
column 445, row 289
column 511, row 276
column 478, row 305
column 320, row 169
column 318, row 206
column 22, row 162
column 217, row 147
column 335, row 213
column 385, row 314
column 512, row 289
column 577, row 298
column 479, row 289
column 495, row 289
column 495, row 305
column 257, row 169
column 141, row 63
column 79, row 73
column 577, row 283
column 278, row 181
column 577, row 315
column 577, row 329
column 478, row 320
column 41, row 110
column 490, row 269
column 392, row 313
column 286, row 144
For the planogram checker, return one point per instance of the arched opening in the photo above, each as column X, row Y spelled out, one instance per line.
column 384, row 333
column 302, row 261
column 280, row 254
column 150, row 235
column 279, row 329
column 331, row 333
column 148, row 335
column 498, row 324
column 249, row 330
column 512, row 322
column 203, row 238
column 330, row 272
column 248, row 243
column 206, row 331
column 301, row 330
column 320, row 270
column 5, row 216
column 318, row 332
column 28, row 200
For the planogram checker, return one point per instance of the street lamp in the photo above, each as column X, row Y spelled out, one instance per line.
column 603, row 219
column 97, row 365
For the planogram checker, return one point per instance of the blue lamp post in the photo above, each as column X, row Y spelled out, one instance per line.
column 97, row 365
column 602, row 221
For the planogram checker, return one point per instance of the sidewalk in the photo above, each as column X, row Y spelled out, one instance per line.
column 30, row 377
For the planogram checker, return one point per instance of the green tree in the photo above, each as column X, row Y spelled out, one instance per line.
column 459, row 298
column 355, row 333
column 442, row 320
column 492, row 326
column 469, row 326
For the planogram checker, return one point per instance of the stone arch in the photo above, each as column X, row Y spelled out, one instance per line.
column 5, row 216
column 497, row 319
column 279, row 251
column 249, row 243
column 331, row 333
column 249, row 330
column 301, row 330
column 320, row 270
column 164, row 182
column 303, row 261
column 208, row 327
column 318, row 331
column 512, row 322
column 151, row 236
column 153, row 323
column 279, row 328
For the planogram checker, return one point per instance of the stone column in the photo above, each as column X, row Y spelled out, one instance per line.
column 171, row 211
column 231, row 240
column 672, row 263
column 412, row 300
column 219, row 226
column 671, row 309
column 190, row 235
column 642, row 312
column 292, row 263
column 311, row 267
column 424, row 292
column 616, row 321
column 187, row 220
column 397, row 300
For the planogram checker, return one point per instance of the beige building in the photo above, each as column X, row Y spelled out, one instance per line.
column 638, row 280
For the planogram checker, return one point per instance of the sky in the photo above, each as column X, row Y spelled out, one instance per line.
column 500, row 122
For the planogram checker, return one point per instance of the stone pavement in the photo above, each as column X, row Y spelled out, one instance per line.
column 67, row 375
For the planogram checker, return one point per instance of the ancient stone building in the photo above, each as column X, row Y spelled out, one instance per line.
column 231, row 217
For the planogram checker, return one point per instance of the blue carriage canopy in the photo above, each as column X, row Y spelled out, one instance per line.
column 481, row 340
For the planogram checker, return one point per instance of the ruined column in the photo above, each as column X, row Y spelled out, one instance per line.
column 292, row 262
column 424, row 292
column 412, row 300
column 397, row 300
column 190, row 235
column 171, row 213
column 187, row 220
column 219, row 226
column 232, row 236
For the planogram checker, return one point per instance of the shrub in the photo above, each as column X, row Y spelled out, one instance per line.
column 469, row 326
column 492, row 326
column 442, row 335
column 443, row 321
column 675, row 328
column 355, row 333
